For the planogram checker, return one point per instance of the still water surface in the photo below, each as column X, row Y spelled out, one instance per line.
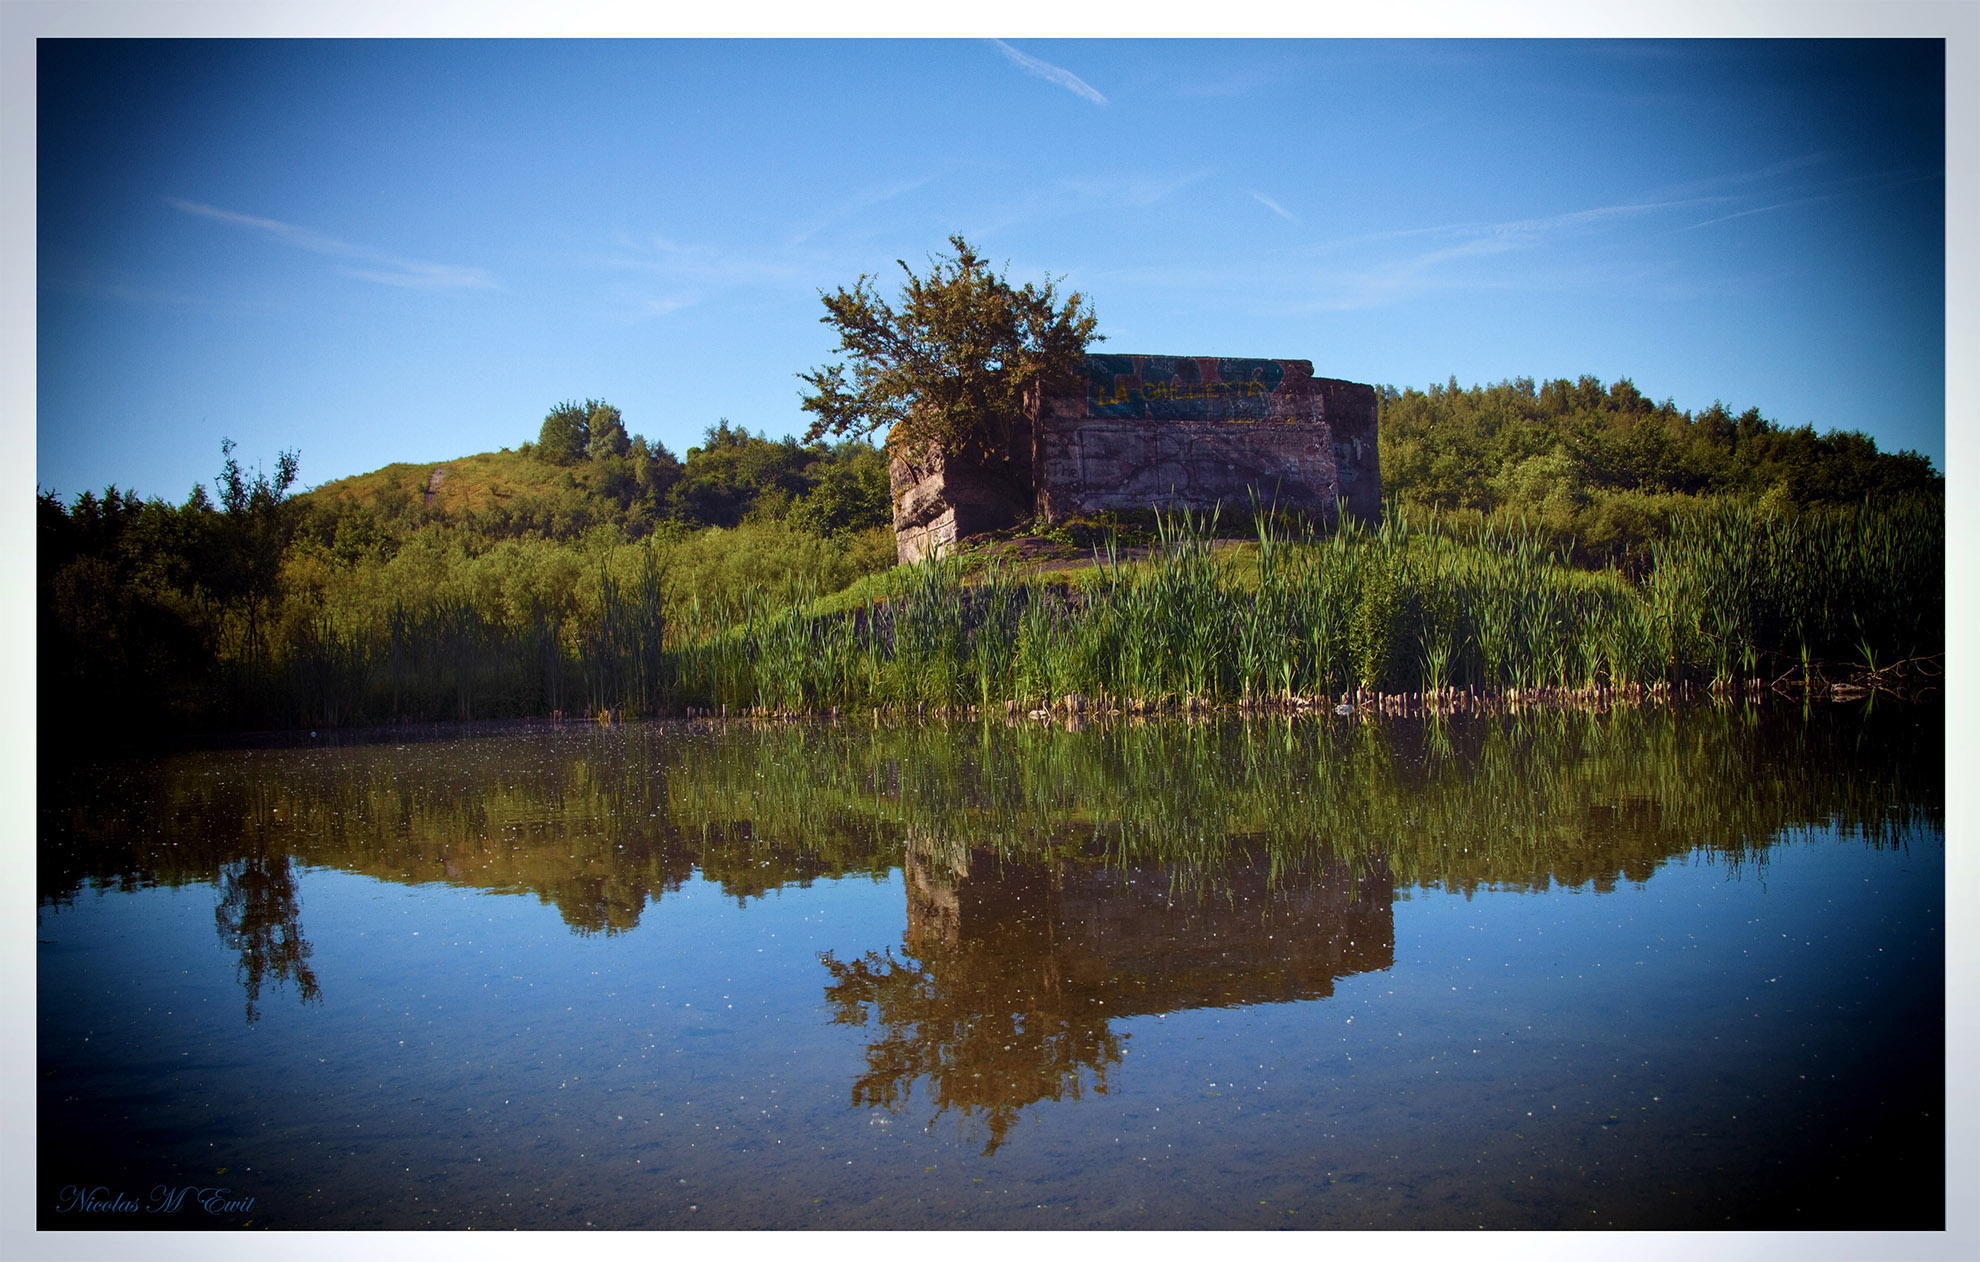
column 1644, row 969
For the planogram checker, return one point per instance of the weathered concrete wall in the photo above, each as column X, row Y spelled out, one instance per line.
column 1096, row 466
column 939, row 499
column 1138, row 431
column 1179, row 430
column 1348, row 407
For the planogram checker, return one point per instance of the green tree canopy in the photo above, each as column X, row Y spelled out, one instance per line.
column 608, row 436
column 950, row 362
column 250, row 537
column 566, row 434
column 574, row 431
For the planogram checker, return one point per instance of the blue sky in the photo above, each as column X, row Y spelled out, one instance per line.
column 379, row 251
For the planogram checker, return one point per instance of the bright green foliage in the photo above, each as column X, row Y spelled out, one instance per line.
column 566, row 434
column 1738, row 593
column 607, row 432
column 655, row 469
column 1746, row 590
column 850, row 494
column 759, row 573
column 544, row 588
column 1606, row 468
column 576, row 431
column 734, row 475
column 951, row 362
column 735, row 472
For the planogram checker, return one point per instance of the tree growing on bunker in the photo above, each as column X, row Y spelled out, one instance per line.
column 949, row 361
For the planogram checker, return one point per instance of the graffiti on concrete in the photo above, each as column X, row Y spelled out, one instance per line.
column 1180, row 388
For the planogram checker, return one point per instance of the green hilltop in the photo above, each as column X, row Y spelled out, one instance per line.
column 634, row 487
column 593, row 569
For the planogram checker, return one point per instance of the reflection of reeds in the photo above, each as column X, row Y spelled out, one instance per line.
column 605, row 821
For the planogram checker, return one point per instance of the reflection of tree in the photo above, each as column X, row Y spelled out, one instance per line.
column 1010, row 971
column 260, row 916
column 987, row 1046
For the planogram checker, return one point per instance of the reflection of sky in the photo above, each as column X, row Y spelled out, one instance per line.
column 409, row 251
column 1781, row 938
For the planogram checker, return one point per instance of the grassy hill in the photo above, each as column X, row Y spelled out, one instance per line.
column 733, row 476
column 466, row 484
column 1689, row 548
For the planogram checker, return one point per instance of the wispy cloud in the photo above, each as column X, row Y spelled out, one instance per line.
column 1379, row 269
column 91, row 287
column 383, row 269
column 1273, row 206
column 1051, row 73
column 1835, row 190
column 1139, row 191
column 1003, row 209
column 636, row 303
column 1759, row 210
column 1450, row 255
column 1510, row 233
column 699, row 265
column 858, row 206
column 662, row 275
column 1724, row 182
column 1448, row 263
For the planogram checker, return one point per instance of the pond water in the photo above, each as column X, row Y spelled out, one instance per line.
column 1639, row 969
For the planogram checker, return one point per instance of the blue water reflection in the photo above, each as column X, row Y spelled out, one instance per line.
column 687, row 977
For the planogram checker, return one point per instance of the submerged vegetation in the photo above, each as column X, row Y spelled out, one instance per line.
column 593, row 574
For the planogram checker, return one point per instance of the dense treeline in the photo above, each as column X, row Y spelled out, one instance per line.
column 372, row 598
column 1581, row 537
column 1605, row 469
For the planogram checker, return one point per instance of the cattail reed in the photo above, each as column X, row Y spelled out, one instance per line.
column 1401, row 615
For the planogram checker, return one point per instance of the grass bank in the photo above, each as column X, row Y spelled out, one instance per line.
column 1414, row 612
column 1404, row 613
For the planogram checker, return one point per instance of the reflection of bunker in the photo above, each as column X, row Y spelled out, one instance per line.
column 1016, row 971
column 1132, row 939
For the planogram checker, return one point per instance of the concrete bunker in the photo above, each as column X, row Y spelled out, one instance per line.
column 1134, row 432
